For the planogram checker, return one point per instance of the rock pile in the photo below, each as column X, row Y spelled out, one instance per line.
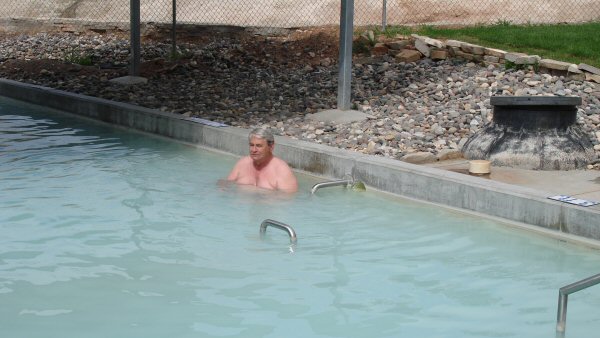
column 420, row 110
column 412, row 50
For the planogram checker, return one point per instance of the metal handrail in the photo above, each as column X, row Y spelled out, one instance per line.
column 563, row 295
column 278, row 225
column 329, row 184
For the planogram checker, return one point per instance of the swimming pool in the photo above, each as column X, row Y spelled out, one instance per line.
column 114, row 234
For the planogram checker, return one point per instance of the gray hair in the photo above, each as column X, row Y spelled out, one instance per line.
column 263, row 133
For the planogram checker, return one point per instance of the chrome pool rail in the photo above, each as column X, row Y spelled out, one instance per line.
column 347, row 181
column 329, row 184
column 563, row 295
column 278, row 225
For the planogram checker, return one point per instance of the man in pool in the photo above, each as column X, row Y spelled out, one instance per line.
column 261, row 168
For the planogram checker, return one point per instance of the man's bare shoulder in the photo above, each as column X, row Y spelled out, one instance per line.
column 246, row 160
column 286, row 180
column 279, row 162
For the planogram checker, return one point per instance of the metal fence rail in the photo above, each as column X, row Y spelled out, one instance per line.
column 304, row 13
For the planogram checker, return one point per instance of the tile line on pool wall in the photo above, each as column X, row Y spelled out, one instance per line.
column 455, row 190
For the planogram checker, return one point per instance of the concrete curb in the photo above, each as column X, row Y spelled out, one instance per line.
column 510, row 202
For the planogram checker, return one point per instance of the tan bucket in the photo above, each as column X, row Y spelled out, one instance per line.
column 479, row 167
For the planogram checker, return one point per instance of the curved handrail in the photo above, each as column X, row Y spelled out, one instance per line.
column 563, row 295
column 278, row 225
column 329, row 184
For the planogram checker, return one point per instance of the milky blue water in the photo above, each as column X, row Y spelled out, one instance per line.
column 109, row 233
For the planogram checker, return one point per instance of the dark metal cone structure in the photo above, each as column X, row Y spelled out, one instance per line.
column 532, row 132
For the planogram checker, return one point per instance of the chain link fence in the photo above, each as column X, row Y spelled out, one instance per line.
column 310, row 13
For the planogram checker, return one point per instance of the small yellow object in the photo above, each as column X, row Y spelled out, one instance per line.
column 479, row 167
column 359, row 186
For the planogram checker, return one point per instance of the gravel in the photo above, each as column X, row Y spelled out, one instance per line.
column 419, row 110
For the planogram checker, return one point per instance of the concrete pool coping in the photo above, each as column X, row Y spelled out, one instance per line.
column 455, row 190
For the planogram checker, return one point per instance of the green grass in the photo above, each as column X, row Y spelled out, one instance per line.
column 576, row 43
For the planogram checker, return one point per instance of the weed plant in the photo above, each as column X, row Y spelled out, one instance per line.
column 77, row 57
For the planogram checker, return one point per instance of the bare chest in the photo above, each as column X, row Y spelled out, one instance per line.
column 263, row 178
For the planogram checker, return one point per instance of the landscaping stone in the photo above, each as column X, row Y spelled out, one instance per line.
column 452, row 50
column 588, row 68
column 398, row 44
column 463, row 55
column 429, row 41
column 592, row 77
column 419, row 158
column 449, row 154
column 490, row 58
column 439, row 54
column 454, row 43
column 379, row 49
column 408, row 55
column 422, row 47
column 574, row 69
column 495, row 52
column 553, row 64
column 472, row 49
column 527, row 60
column 512, row 57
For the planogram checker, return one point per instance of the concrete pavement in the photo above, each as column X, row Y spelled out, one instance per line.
column 583, row 184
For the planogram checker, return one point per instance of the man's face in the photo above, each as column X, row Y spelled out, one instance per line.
column 260, row 149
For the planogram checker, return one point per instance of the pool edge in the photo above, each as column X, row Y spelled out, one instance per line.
column 455, row 190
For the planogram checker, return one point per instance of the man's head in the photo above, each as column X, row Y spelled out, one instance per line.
column 261, row 143
column 263, row 133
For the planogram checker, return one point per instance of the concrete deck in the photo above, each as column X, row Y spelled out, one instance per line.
column 584, row 184
column 513, row 195
column 338, row 116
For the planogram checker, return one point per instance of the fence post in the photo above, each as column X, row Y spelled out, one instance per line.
column 384, row 16
column 134, row 23
column 345, row 76
column 173, row 32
